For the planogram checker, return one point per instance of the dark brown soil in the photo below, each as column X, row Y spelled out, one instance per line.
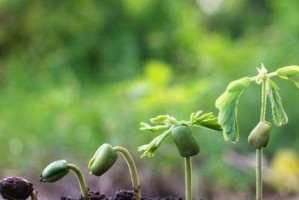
column 120, row 195
column 15, row 188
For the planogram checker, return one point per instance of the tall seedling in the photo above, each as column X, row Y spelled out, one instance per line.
column 259, row 136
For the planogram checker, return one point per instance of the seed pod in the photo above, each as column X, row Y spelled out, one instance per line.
column 259, row 136
column 185, row 141
column 288, row 71
column 15, row 188
column 103, row 160
column 55, row 171
column 238, row 85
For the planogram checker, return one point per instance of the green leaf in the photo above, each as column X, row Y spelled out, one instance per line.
column 160, row 119
column 155, row 129
column 207, row 120
column 151, row 148
column 289, row 72
column 278, row 113
column 227, row 105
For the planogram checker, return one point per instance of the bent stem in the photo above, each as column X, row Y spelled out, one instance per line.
column 133, row 170
column 188, row 178
column 33, row 195
column 81, row 180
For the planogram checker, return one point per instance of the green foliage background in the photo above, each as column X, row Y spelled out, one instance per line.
column 75, row 74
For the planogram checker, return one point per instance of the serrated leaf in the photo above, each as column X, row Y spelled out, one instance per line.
column 227, row 117
column 151, row 148
column 278, row 113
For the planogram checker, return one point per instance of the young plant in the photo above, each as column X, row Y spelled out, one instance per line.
column 58, row 169
column 106, row 156
column 179, row 131
column 259, row 136
column 17, row 188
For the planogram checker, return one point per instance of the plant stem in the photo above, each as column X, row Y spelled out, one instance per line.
column 259, row 185
column 259, row 152
column 188, row 178
column 133, row 170
column 33, row 195
column 81, row 180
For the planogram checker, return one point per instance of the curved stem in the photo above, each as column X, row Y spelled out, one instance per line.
column 33, row 195
column 188, row 178
column 81, row 180
column 133, row 170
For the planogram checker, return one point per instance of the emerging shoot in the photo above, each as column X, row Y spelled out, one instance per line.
column 58, row 169
column 105, row 157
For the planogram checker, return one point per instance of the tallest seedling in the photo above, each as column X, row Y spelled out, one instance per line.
column 259, row 136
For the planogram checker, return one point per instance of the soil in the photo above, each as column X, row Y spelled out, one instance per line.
column 15, row 188
column 120, row 195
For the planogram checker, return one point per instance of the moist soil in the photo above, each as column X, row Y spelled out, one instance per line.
column 120, row 195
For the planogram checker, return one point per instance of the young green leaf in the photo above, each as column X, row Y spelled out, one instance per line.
column 278, row 113
column 227, row 105
column 154, row 129
column 151, row 148
column 160, row 119
column 289, row 72
column 207, row 120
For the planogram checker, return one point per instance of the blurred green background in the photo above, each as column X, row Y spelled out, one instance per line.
column 76, row 74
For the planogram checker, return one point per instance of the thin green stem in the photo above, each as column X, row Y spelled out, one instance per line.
column 81, row 180
column 264, row 100
column 33, row 195
column 259, row 152
column 188, row 178
column 133, row 170
column 259, row 185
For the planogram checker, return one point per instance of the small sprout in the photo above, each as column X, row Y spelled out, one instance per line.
column 259, row 136
column 106, row 156
column 17, row 188
column 185, row 141
column 58, row 169
column 179, row 131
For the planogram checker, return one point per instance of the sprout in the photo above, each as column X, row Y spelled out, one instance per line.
column 105, row 157
column 58, row 169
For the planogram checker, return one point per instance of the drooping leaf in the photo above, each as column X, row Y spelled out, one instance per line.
column 278, row 113
column 289, row 72
column 227, row 105
column 150, row 149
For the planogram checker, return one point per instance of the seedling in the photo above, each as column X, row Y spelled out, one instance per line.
column 186, row 143
column 17, row 188
column 58, row 169
column 106, row 156
column 259, row 136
